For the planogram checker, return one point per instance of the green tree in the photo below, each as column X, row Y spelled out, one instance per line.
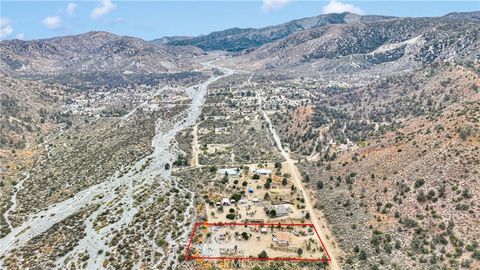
column 263, row 255
column 362, row 255
column 320, row 185
column 266, row 185
column 236, row 197
column 421, row 196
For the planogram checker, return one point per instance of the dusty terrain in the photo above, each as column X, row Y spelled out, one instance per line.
column 365, row 127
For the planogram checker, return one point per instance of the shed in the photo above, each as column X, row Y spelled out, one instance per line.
column 229, row 172
column 263, row 171
column 225, row 201
column 282, row 239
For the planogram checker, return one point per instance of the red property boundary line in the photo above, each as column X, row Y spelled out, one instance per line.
column 187, row 257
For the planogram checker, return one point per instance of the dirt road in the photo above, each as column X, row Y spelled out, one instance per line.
column 139, row 176
column 297, row 178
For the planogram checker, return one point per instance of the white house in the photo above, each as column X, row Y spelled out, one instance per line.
column 263, row 171
column 225, row 201
column 235, row 172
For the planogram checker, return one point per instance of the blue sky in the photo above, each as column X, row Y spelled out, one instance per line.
column 154, row 19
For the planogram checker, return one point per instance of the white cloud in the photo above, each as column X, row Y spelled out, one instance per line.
column 21, row 36
column 71, row 7
column 52, row 22
column 5, row 27
column 269, row 5
column 339, row 7
column 105, row 7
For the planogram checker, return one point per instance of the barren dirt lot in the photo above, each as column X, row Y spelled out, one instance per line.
column 257, row 241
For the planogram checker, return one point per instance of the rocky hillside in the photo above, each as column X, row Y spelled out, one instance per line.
column 358, row 114
column 473, row 15
column 27, row 110
column 394, row 166
column 408, row 200
column 237, row 39
column 94, row 58
column 388, row 44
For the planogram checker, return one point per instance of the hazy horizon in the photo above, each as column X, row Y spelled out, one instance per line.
column 155, row 19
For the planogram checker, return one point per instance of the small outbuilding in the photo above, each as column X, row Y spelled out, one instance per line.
column 233, row 172
column 282, row 239
column 225, row 201
column 263, row 171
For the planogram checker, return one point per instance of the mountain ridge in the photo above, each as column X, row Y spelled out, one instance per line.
column 396, row 44
column 238, row 39
column 92, row 55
